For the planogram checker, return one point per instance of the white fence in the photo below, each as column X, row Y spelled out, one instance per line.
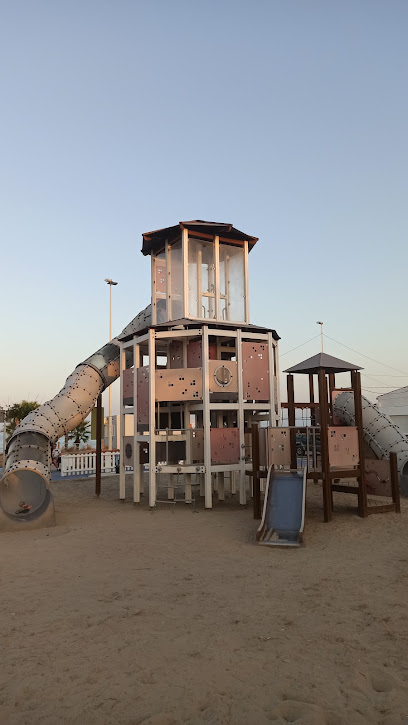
column 77, row 464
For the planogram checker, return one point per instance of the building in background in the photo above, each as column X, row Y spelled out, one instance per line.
column 395, row 405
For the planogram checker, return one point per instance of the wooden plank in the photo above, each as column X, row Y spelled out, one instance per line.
column 387, row 508
column 327, row 499
column 292, row 420
column 344, row 489
column 358, row 416
column 395, row 482
column 98, row 445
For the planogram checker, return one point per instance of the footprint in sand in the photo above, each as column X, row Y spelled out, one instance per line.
column 304, row 713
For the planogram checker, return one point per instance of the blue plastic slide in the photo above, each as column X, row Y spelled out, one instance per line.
column 283, row 515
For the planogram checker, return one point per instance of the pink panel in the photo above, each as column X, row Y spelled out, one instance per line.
column 179, row 385
column 378, row 477
column 343, row 446
column 143, row 394
column 176, row 354
column 194, row 356
column 197, row 445
column 128, row 386
column 224, row 445
column 255, row 371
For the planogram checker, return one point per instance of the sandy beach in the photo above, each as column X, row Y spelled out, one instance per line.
column 120, row 614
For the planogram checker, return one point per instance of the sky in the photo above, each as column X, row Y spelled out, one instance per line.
column 286, row 118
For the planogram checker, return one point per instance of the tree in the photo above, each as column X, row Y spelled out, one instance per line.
column 80, row 434
column 17, row 412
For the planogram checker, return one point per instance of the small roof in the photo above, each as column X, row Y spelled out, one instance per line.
column 153, row 241
column 322, row 361
column 188, row 323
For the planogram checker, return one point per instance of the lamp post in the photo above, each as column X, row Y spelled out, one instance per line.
column 321, row 331
column 110, row 282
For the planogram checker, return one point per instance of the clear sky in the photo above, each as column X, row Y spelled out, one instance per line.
column 287, row 118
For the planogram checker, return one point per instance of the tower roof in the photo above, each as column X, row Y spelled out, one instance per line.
column 153, row 241
column 322, row 361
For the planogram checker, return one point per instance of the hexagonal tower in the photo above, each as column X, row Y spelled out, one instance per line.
column 196, row 374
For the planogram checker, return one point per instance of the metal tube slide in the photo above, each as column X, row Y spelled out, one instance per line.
column 381, row 434
column 25, row 497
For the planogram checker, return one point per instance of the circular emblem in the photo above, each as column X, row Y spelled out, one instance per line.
column 222, row 376
column 128, row 450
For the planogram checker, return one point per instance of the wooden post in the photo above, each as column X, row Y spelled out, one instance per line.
column 255, row 472
column 327, row 499
column 292, row 420
column 395, row 482
column 332, row 385
column 98, row 445
column 358, row 416
column 312, row 400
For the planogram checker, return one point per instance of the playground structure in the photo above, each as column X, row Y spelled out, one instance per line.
column 194, row 381
column 335, row 455
column 195, row 377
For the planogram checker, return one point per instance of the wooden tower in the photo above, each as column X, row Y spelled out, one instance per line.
column 196, row 374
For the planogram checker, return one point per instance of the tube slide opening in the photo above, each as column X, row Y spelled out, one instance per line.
column 24, row 487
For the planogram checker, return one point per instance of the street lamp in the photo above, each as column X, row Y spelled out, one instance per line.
column 321, row 331
column 110, row 282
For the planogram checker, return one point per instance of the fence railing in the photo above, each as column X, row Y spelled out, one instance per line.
column 77, row 464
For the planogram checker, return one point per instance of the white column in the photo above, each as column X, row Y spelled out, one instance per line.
column 246, row 282
column 136, row 444
column 168, row 280
column 241, row 421
column 187, row 476
column 206, row 419
column 217, row 277
column 271, row 366
column 184, row 239
column 122, row 487
column 152, row 419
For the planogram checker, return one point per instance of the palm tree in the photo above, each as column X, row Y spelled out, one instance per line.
column 80, row 434
column 17, row 412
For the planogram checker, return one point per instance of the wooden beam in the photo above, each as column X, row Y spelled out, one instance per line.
column 358, row 415
column 395, row 482
column 327, row 497
column 291, row 420
column 98, row 445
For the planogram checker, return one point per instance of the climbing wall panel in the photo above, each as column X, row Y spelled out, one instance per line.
column 224, row 445
column 255, row 371
column 179, row 385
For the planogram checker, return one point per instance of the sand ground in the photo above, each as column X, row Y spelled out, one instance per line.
column 124, row 615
